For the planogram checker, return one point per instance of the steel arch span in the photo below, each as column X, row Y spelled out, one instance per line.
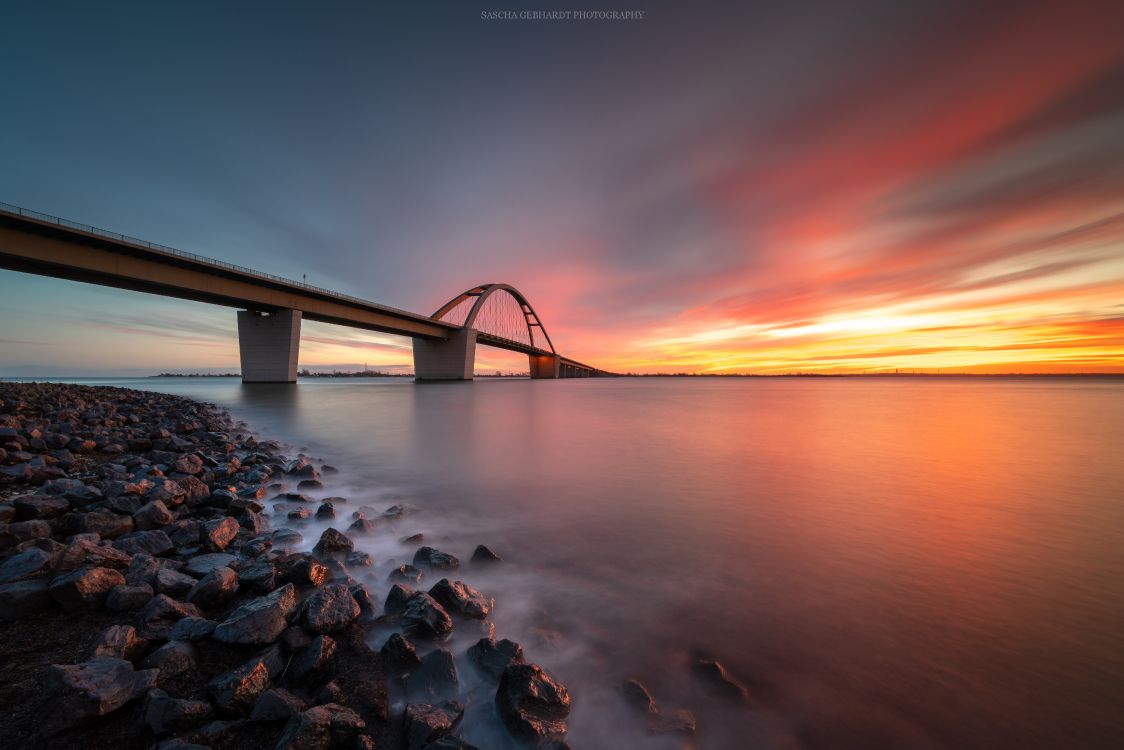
column 497, row 315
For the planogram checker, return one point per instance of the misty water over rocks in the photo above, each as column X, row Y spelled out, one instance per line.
column 890, row 563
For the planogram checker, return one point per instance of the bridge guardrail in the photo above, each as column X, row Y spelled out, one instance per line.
column 28, row 213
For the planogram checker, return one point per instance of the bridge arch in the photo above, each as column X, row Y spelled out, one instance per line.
column 479, row 296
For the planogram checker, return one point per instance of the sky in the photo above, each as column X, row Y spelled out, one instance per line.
column 714, row 188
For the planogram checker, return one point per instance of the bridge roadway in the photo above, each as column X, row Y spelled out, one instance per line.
column 271, row 307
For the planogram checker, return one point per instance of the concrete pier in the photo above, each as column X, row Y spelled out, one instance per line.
column 544, row 366
column 451, row 359
column 269, row 345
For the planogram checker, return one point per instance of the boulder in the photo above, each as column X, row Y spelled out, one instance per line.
column 637, row 697
column 399, row 656
column 426, row 618
column 485, row 555
column 326, row 512
column 164, row 714
column 358, row 559
column 333, row 544
column 714, row 676
column 172, row 659
column 236, row 691
column 216, row 588
column 192, row 629
column 434, row 559
column 679, row 721
column 532, row 705
column 30, row 563
column 161, row 615
column 362, row 526
column 106, row 525
column 329, row 609
column 118, row 642
column 152, row 515
column 458, row 598
column 125, row 597
column 276, row 704
column 84, row 552
column 406, row 574
column 308, row 572
column 259, row 621
column 321, row 728
column 84, row 589
column 142, row 571
column 424, row 723
column 216, row 535
column 201, row 565
column 153, row 543
column 435, row 679
column 492, row 657
column 83, row 692
column 313, row 659
column 173, row 583
column 260, row 578
column 40, row 506
column 23, row 599
column 397, row 598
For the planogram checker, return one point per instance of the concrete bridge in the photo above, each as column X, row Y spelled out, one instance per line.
column 271, row 308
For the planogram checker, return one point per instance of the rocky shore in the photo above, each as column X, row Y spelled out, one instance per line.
column 152, row 595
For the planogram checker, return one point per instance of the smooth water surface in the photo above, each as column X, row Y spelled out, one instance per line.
column 913, row 562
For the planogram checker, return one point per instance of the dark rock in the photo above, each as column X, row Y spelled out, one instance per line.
column 362, row 526
column 412, row 539
column 434, row 559
column 21, row 531
column 195, row 491
column 276, row 704
column 107, row 525
column 173, row 583
column 295, row 638
column 333, row 544
column 359, row 559
column 201, row 565
column 483, row 554
column 492, row 657
column 161, row 615
column 172, row 659
column 255, row 523
column 397, row 598
column 425, row 617
column 217, row 587
column 435, row 679
column 299, row 514
column 153, row 543
column 679, row 721
column 461, row 599
column 118, row 642
column 286, row 538
column 192, row 629
column 424, row 724
column 399, row 656
column 329, row 609
column 532, row 705
column 30, row 563
column 312, row 659
column 236, row 691
column 259, row 621
column 164, row 714
column 321, row 728
column 309, row 484
column 637, row 697
column 260, row 578
column 325, row 512
column 83, row 692
column 40, row 506
column 308, row 572
column 715, row 677
column 188, row 464
column 152, row 516
column 406, row 574
column 84, row 589
column 7, row 513
column 83, row 553
column 124, row 598
column 217, row 535
column 23, row 599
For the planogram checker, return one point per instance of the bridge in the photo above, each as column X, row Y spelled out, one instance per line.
column 271, row 308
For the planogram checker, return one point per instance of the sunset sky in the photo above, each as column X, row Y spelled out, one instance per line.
column 780, row 187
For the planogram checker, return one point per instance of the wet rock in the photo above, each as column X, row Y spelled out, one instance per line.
column 424, row 723
column 192, row 629
column 23, row 599
column 483, row 554
column 333, row 544
column 188, row 464
column 259, row 621
column 83, row 692
column 329, row 609
column 714, row 676
column 260, row 578
column 286, row 538
column 406, row 574
column 201, row 565
column 312, row 659
column 399, row 655
column 299, row 514
column 255, row 523
column 84, row 589
column 326, row 512
column 195, row 491
column 30, row 563
column 40, row 506
column 397, row 598
column 125, row 597
column 173, row 583
column 161, row 615
column 491, row 657
column 308, row 572
column 83, row 553
column 236, row 691
column 532, row 705
column 451, row 742
column 359, row 559
column 431, row 558
column 679, row 721
column 309, row 484
column 425, row 617
column 217, row 587
column 460, row 599
column 412, row 539
column 321, row 728
column 637, row 697
column 153, row 543
column 216, row 535
column 164, row 714
column 362, row 526
column 152, row 515
column 435, row 679
column 276, row 704
column 118, row 642
column 172, row 659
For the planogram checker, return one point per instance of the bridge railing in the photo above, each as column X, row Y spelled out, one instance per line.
column 118, row 237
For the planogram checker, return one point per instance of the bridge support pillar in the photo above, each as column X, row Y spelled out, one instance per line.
column 269, row 345
column 451, row 359
column 544, row 366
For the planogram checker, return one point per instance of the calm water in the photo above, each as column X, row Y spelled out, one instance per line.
column 916, row 563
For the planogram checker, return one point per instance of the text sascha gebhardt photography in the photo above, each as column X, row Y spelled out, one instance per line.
column 562, row 375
